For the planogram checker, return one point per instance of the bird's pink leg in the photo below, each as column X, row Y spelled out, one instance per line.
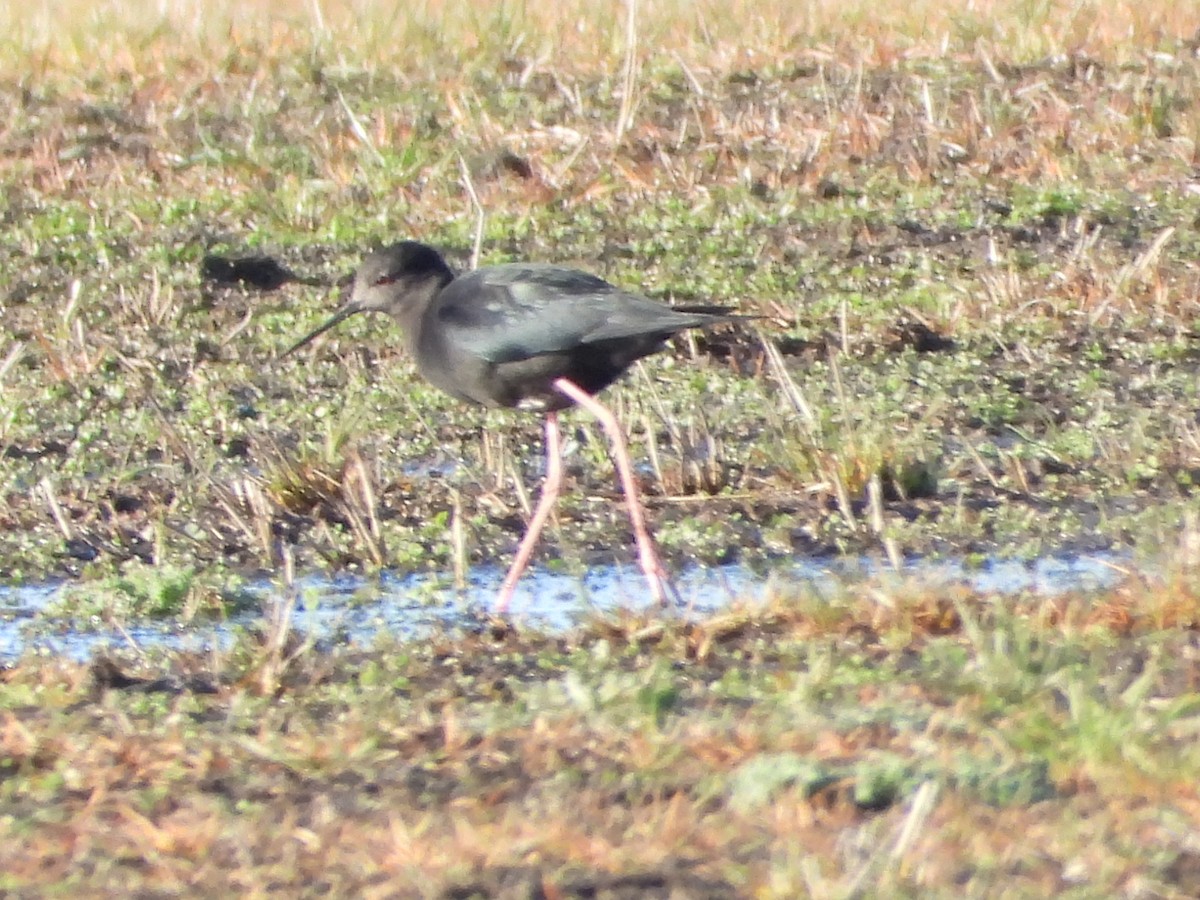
column 660, row 584
column 550, row 489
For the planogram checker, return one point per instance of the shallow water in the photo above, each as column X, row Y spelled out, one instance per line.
column 356, row 610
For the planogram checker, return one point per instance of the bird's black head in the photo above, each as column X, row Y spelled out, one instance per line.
column 400, row 280
column 397, row 277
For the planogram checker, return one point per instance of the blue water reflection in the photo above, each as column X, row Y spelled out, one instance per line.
column 348, row 609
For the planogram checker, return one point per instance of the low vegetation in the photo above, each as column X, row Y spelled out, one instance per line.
column 972, row 231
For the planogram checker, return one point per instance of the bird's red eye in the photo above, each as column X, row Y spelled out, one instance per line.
column 386, row 279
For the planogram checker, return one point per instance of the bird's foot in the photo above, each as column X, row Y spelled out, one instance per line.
column 504, row 597
column 662, row 588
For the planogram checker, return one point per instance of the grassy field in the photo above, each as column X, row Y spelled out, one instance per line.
column 972, row 230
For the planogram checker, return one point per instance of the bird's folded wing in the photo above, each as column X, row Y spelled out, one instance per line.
column 507, row 313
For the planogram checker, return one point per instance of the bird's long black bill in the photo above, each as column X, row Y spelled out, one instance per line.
column 341, row 315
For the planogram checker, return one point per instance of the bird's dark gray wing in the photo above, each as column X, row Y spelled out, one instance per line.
column 512, row 312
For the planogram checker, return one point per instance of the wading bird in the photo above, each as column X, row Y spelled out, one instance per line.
column 524, row 335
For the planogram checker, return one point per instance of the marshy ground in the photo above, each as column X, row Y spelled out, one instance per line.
column 974, row 240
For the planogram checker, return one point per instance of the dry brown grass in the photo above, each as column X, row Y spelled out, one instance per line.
column 281, row 137
column 113, row 37
column 873, row 149
column 1016, row 744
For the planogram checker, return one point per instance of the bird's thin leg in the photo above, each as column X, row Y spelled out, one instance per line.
column 660, row 583
column 541, row 513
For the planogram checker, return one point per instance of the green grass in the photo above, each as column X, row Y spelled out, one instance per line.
column 807, row 752
column 972, row 232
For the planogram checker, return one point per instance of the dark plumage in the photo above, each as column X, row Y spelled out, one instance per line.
column 528, row 335
column 501, row 335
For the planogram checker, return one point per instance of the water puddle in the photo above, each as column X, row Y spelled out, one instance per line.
column 347, row 609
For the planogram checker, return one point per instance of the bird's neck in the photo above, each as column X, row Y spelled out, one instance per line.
column 412, row 316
